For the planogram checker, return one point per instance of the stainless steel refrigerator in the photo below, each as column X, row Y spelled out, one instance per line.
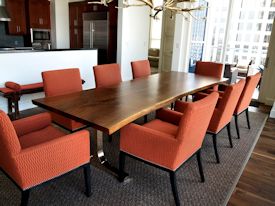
column 95, row 33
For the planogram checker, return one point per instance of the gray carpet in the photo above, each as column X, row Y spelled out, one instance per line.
column 148, row 185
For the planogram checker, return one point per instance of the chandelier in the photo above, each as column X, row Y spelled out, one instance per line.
column 169, row 5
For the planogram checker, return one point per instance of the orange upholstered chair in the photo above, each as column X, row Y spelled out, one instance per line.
column 222, row 114
column 140, row 68
column 245, row 99
column 170, row 140
column 33, row 152
column 210, row 69
column 107, row 75
column 61, row 82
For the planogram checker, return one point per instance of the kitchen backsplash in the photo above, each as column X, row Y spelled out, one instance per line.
column 9, row 40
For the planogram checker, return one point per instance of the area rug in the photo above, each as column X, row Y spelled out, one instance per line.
column 149, row 185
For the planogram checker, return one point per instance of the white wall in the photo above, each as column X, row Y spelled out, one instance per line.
column 267, row 90
column 133, row 37
column 26, row 68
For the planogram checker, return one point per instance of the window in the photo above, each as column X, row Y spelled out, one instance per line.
column 263, row 2
column 237, row 46
column 272, row 4
column 247, row 37
column 235, row 58
column 269, row 27
column 239, row 37
column 258, row 27
column 262, row 61
column 251, row 15
column 240, row 26
column 242, row 15
column 249, row 26
column 271, row 15
column 261, row 15
column 256, row 38
column 266, row 38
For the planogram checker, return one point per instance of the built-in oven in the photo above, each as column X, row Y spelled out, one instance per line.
column 41, row 38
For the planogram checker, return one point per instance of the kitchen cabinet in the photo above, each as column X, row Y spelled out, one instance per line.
column 16, row 10
column 39, row 14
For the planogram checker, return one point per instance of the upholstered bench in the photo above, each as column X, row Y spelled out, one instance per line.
column 13, row 91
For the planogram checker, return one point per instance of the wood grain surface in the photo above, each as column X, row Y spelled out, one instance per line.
column 109, row 109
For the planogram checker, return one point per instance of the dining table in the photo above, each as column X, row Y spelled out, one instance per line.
column 109, row 109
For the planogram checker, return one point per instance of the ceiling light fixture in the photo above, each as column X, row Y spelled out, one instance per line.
column 170, row 5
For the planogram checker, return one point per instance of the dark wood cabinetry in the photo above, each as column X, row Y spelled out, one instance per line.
column 76, row 10
column 39, row 14
column 16, row 9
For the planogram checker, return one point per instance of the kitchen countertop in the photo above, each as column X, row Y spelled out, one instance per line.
column 34, row 50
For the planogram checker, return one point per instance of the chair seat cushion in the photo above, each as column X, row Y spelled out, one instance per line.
column 40, row 136
column 162, row 126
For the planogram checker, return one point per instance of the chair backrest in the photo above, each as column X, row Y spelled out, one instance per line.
column 247, row 93
column 210, row 69
column 59, row 82
column 140, row 68
column 9, row 143
column 226, row 106
column 194, row 122
column 107, row 75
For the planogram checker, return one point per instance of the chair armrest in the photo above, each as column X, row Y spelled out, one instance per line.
column 45, row 161
column 168, row 115
column 148, row 144
column 32, row 123
column 180, row 106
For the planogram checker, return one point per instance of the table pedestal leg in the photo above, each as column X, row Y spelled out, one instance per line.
column 97, row 156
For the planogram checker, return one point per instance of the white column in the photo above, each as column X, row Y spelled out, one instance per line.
column 133, row 37
column 181, row 47
column 60, row 31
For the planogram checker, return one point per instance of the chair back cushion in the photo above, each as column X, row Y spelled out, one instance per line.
column 210, row 69
column 249, row 88
column 194, row 122
column 141, row 68
column 9, row 143
column 59, row 82
column 107, row 75
column 226, row 106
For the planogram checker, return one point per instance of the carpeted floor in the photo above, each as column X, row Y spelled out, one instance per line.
column 148, row 185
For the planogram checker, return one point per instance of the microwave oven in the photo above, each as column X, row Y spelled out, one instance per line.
column 40, row 38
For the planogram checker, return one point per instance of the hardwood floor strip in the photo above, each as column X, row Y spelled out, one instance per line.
column 265, row 156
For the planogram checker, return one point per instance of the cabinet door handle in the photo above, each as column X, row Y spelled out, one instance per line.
column 42, row 20
column 19, row 28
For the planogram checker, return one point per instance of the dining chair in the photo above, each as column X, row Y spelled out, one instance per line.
column 140, row 68
column 61, row 82
column 33, row 152
column 222, row 114
column 211, row 69
column 168, row 141
column 245, row 99
column 107, row 75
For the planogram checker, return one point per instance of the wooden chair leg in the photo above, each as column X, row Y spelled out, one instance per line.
column 247, row 118
column 214, row 136
column 173, row 182
column 237, row 126
column 121, row 175
column 25, row 197
column 229, row 134
column 87, row 178
column 200, row 165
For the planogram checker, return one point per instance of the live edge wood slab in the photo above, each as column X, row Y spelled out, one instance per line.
column 109, row 109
